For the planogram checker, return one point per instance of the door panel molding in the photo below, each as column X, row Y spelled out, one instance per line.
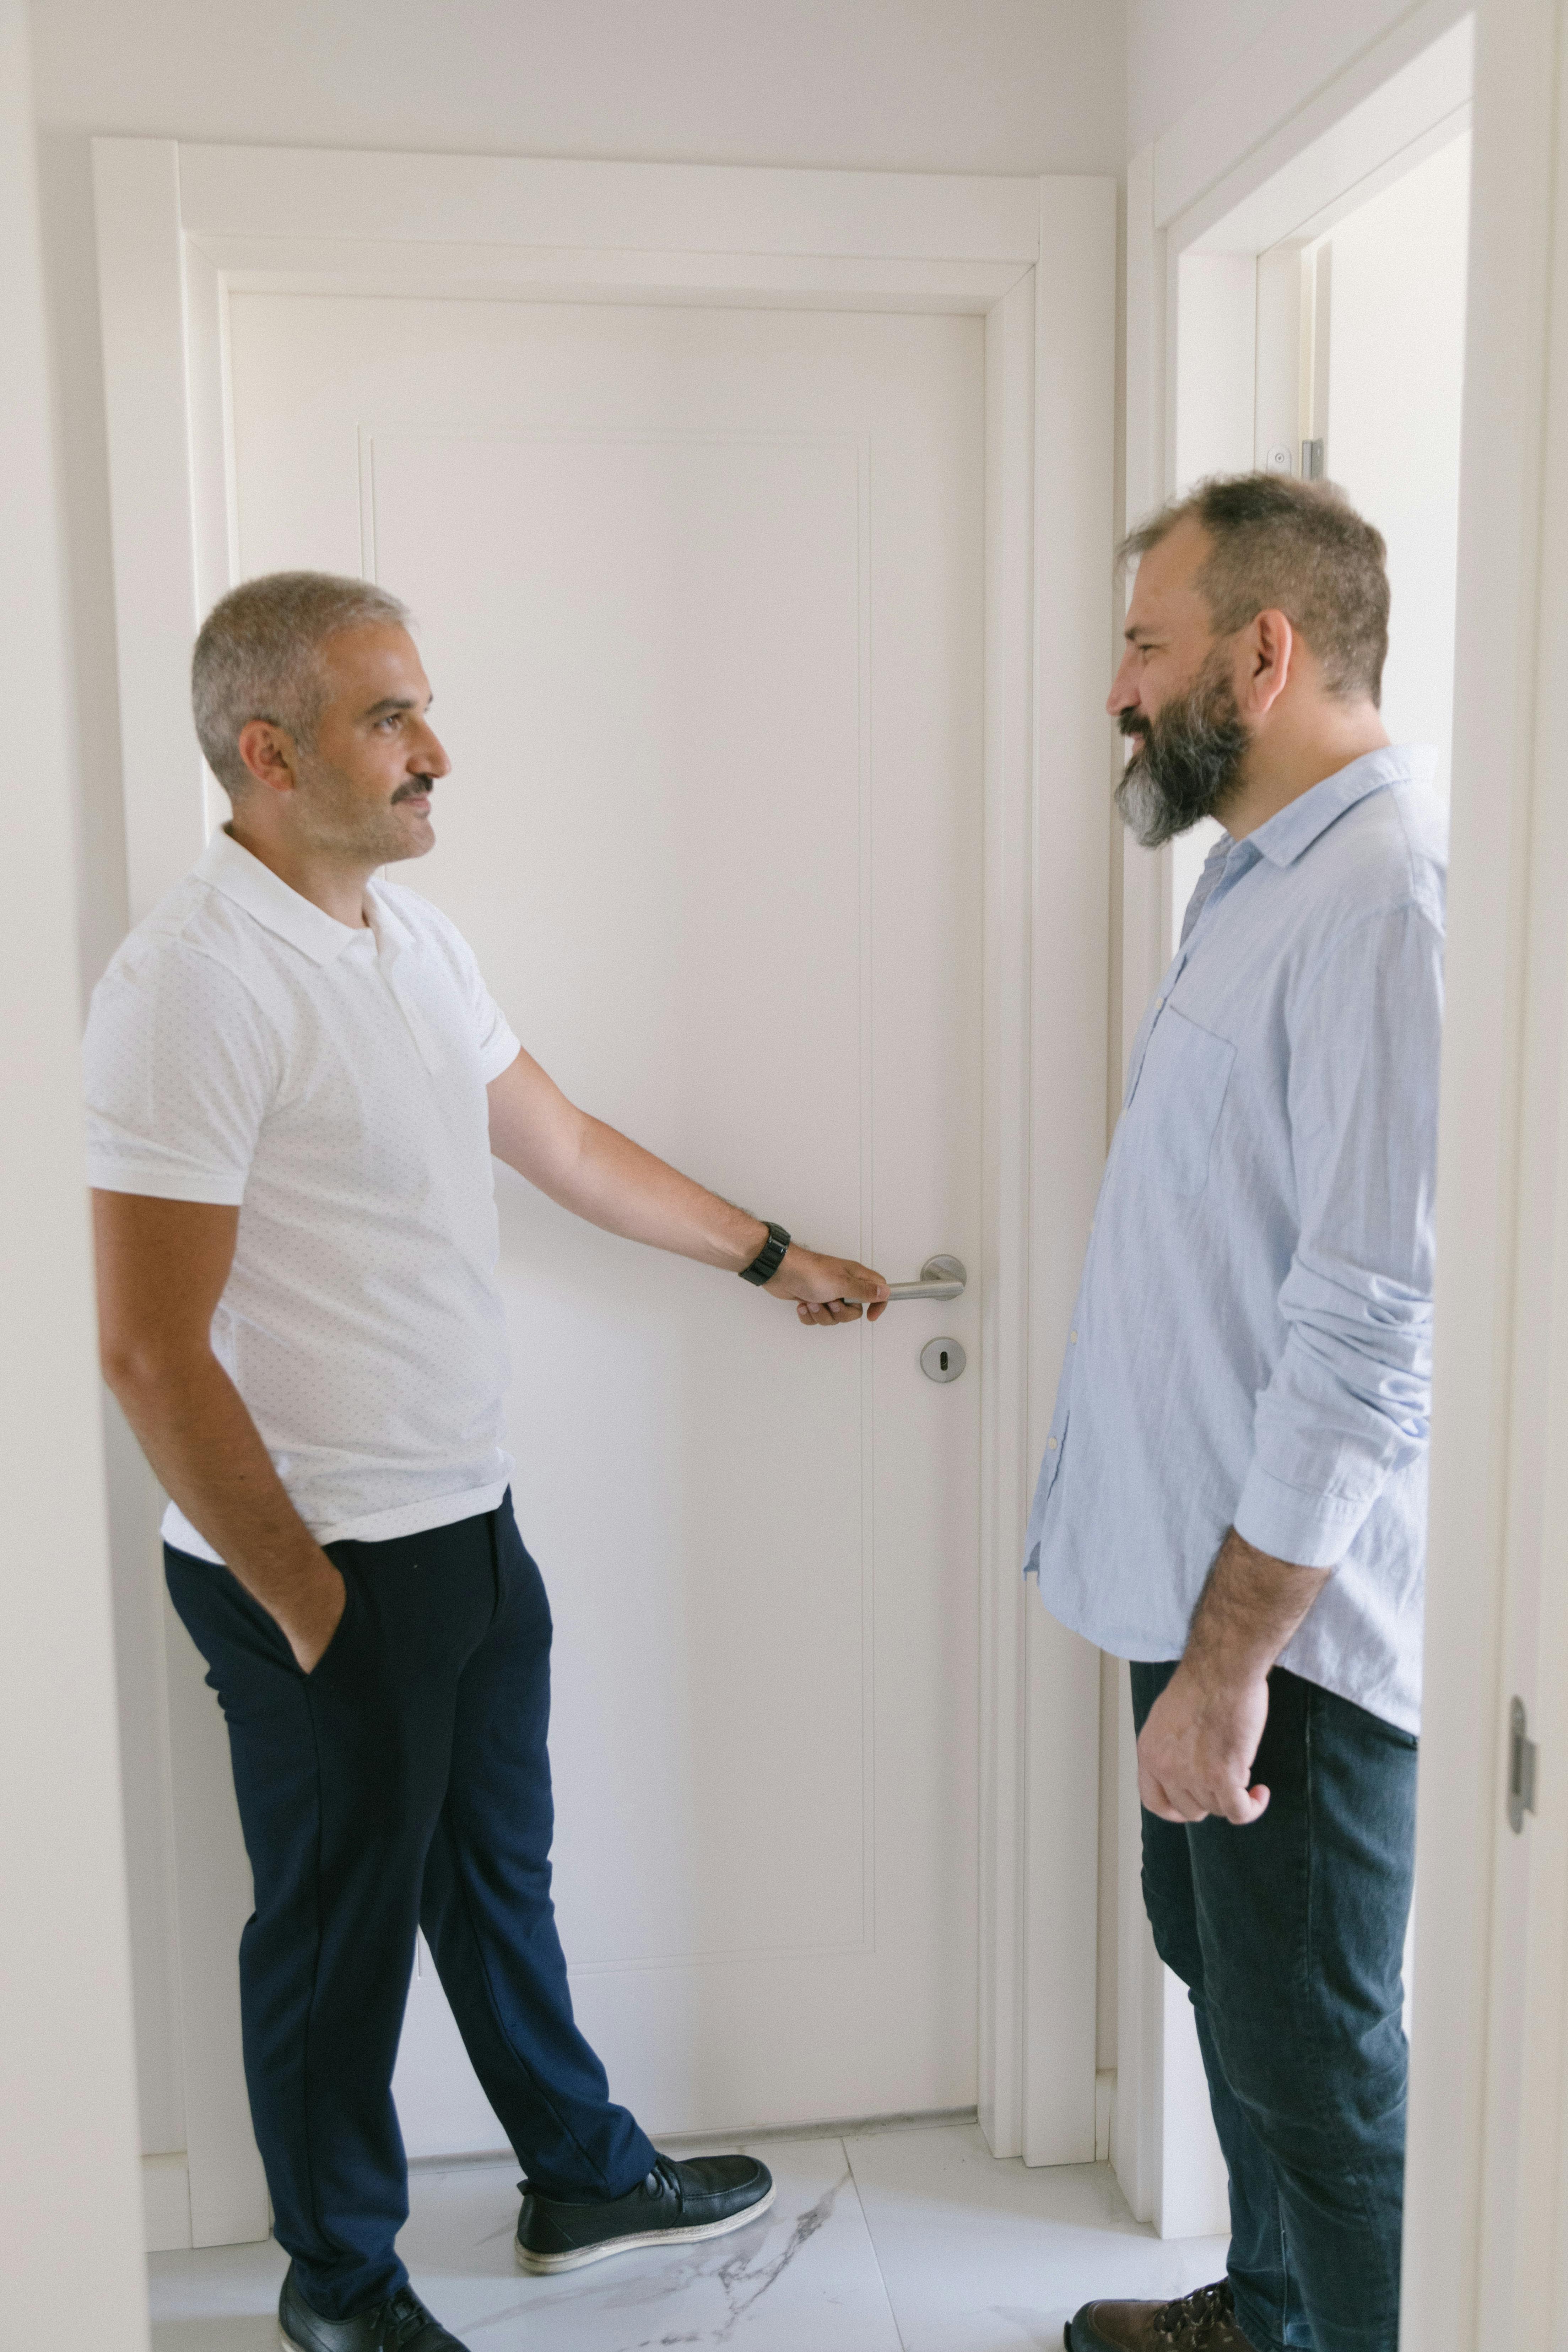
column 182, row 225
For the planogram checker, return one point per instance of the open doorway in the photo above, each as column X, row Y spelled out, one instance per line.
column 1392, row 280
column 1304, row 314
column 1356, row 367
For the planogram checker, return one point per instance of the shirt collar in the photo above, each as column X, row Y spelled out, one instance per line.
column 1289, row 834
column 264, row 894
column 392, row 933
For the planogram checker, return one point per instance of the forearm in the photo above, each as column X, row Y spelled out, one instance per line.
column 603, row 1176
column 1250, row 1606
column 613, row 1183
column 208, row 1452
column 1196, row 1751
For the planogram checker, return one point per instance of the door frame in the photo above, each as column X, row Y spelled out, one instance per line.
column 181, row 227
column 1486, row 2243
column 1238, row 173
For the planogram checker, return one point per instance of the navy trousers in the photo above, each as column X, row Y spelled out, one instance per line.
column 1290, row 1935
column 404, row 1782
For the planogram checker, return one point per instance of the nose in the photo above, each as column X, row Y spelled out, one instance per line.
column 429, row 755
column 1123, row 695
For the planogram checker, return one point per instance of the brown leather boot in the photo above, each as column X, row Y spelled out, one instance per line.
column 1201, row 2322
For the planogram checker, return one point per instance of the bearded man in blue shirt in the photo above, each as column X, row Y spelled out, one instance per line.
column 1233, row 1495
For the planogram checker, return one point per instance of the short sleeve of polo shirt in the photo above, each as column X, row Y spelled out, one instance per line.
column 181, row 1065
column 498, row 1046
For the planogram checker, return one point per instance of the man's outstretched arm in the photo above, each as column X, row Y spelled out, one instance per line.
column 1195, row 1757
column 603, row 1176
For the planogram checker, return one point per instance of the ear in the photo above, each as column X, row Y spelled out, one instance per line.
column 269, row 753
column 1268, row 649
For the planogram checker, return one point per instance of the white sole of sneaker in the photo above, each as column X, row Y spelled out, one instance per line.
column 547, row 2265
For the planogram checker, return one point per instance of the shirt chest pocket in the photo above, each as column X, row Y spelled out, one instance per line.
column 1177, row 1102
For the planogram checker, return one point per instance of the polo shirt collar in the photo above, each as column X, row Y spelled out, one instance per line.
column 1292, row 832
column 392, row 933
column 243, row 878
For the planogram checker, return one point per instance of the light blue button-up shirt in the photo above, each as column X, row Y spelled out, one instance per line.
column 1252, row 1344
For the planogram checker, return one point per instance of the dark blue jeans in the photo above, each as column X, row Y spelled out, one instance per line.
column 1290, row 1935
column 404, row 1782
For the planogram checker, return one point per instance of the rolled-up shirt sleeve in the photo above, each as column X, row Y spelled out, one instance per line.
column 1350, row 1399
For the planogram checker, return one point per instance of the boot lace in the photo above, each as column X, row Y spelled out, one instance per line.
column 667, row 2175
column 1197, row 2321
column 400, row 2320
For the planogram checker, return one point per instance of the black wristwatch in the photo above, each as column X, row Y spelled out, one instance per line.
column 769, row 1258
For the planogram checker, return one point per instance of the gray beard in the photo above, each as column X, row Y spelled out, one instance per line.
column 1188, row 765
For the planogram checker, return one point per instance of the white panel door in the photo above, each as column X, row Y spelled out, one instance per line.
column 699, row 594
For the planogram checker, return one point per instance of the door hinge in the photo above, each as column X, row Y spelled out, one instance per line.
column 1312, row 461
column 1521, row 1768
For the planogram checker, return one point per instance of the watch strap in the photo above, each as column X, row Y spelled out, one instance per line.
column 769, row 1258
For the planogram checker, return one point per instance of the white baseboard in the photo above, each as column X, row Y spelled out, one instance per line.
column 167, row 2204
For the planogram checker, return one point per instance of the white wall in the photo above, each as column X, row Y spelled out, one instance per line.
column 891, row 85
column 983, row 86
column 1180, row 52
column 1177, row 49
column 69, row 2205
column 1397, row 355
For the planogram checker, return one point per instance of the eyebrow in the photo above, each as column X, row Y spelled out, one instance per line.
column 395, row 702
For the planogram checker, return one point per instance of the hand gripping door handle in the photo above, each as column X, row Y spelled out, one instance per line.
column 940, row 1277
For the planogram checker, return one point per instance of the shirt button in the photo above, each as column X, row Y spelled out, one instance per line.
column 1051, row 1444
column 1073, row 1336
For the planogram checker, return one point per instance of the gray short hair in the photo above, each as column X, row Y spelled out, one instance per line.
column 258, row 656
column 1299, row 547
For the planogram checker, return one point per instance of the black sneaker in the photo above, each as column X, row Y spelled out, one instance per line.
column 677, row 2203
column 401, row 2323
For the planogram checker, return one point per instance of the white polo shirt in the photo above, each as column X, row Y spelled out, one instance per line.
column 244, row 1047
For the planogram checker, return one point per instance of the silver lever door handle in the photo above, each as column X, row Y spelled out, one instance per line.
column 940, row 1277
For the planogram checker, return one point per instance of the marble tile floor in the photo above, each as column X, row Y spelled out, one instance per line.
column 911, row 2238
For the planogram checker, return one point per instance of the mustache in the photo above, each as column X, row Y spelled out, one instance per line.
column 414, row 788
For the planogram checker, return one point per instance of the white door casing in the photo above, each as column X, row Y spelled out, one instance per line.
column 1486, row 2246
column 182, row 228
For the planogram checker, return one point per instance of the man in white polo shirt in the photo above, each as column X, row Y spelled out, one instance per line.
column 296, row 1079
